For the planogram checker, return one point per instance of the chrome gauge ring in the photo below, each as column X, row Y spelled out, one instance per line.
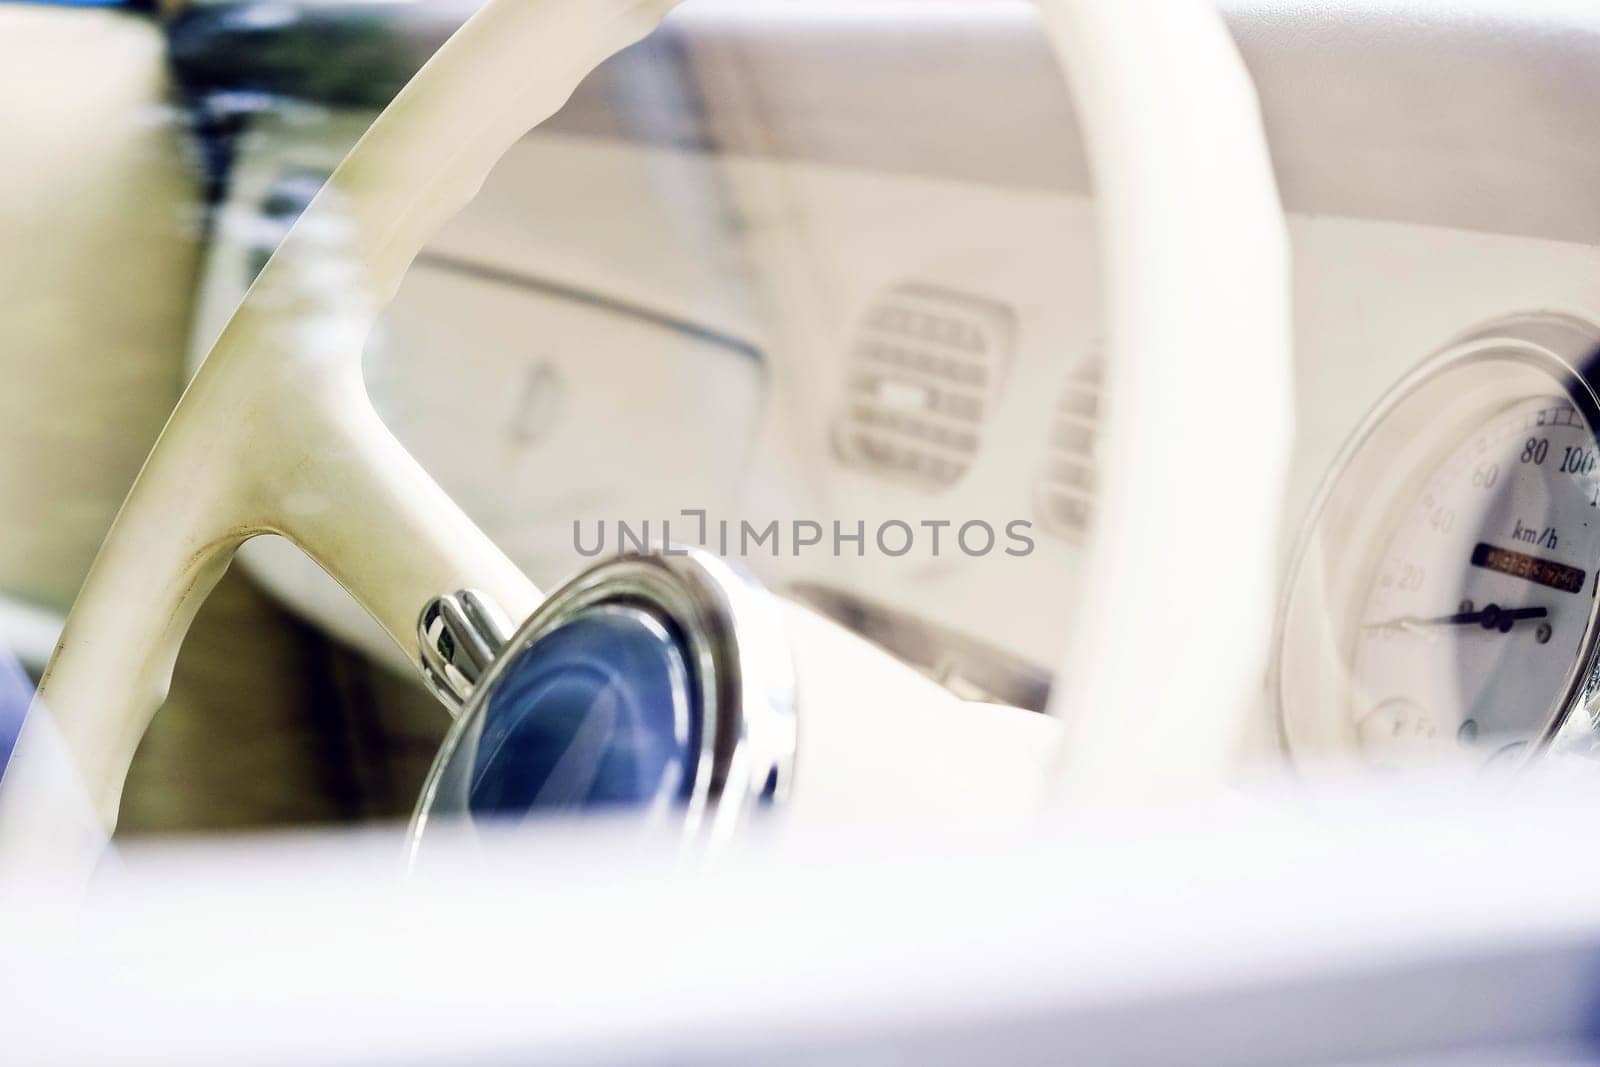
column 649, row 682
column 1442, row 601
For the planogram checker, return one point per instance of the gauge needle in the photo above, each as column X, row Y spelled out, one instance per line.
column 1490, row 617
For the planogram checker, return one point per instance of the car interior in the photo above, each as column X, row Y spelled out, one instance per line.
column 937, row 408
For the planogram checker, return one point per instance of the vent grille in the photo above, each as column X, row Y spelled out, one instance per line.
column 1066, row 489
column 924, row 372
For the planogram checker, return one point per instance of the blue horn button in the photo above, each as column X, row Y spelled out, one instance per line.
column 597, row 713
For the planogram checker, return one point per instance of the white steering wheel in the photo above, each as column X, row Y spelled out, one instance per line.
column 276, row 435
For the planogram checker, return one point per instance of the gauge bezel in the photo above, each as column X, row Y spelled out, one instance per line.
column 1330, row 572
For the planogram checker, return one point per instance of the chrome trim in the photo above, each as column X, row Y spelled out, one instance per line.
column 741, row 674
column 459, row 635
column 609, row 303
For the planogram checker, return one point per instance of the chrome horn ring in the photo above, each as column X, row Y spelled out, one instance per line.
column 738, row 688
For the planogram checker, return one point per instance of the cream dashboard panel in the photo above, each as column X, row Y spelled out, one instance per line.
column 964, row 429
column 728, row 301
column 1372, row 299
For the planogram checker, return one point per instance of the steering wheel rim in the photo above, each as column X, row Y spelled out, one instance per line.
column 275, row 434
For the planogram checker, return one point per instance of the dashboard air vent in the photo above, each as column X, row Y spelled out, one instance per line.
column 1065, row 492
column 924, row 371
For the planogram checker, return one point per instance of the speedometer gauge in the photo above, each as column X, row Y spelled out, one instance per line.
column 1443, row 599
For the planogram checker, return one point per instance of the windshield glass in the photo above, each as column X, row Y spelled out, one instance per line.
column 711, row 303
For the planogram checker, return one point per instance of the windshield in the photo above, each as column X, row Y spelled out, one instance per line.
column 705, row 305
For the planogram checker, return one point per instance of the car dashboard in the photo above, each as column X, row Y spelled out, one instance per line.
column 858, row 349
column 700, row 616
